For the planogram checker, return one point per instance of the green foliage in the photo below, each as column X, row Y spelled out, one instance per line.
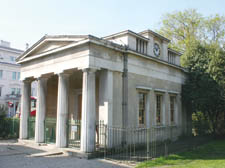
column 200, row 124
column 3, row 111
column 9, row 127
column 204, row 88
column 186, row 27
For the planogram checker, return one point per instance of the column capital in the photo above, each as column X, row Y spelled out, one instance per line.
column 64, row 74
column 27, row 81
column 42, row 78
column 92, row 70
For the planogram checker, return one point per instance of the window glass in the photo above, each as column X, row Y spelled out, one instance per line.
column 0, row 91
column 158, row 108
column 18, row 75
column 14, row 75
column 1, row 74
column 12, row 58
column 172, row 108
column 18, row 90
column 33, row 103
column 13, row 90
column 142, row 101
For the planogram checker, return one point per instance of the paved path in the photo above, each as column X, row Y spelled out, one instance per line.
column 15, row 155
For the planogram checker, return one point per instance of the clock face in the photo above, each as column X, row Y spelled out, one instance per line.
column 156, row 49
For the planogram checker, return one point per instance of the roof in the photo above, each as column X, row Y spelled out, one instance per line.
column 125, row 32
column 86, row 39
column 174, row 51
column 52, row 38
column 7, row 63
column 155, row 34
column 11, row 49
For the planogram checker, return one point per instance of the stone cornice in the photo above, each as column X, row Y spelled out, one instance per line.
column 101, row 42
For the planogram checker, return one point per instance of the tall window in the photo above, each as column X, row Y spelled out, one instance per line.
column 18, row 75
column 0, row 91
column 1, row 74
column 13, row 91
column 141, row 46
column 12, row 58
column 172, row 108
column 158, row 109
column 14, row 75
column 142, row 107
column 18, row 91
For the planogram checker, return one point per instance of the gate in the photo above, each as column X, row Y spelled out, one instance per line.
column 31, row 127
column 50, row 128
column 74, row 132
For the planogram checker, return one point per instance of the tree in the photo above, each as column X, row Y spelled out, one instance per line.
column 215, row 29
column 185, row 27
column 204, row 88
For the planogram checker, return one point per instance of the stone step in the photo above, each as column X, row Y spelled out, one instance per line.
column 50, row 153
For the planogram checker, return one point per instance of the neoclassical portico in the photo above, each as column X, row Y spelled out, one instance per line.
column 88, row 109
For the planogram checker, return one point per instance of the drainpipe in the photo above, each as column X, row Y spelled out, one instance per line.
column 125, row 94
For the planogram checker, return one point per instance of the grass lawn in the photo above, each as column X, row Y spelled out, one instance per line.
column 211, row 155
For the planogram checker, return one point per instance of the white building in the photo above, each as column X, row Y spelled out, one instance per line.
column 126, row 79
column 10, row 84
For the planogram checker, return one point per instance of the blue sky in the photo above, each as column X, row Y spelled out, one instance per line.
column 26, row 21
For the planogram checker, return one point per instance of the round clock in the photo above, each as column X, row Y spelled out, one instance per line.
column 156, row 49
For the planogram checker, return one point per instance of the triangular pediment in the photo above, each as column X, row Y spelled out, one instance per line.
column 50, row 43
column 48, row 46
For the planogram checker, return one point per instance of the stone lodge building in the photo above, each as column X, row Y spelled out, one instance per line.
column 126, row 79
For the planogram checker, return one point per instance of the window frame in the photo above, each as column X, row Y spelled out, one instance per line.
column 161, row 122
column 1, row 91
column 174, row 97
column 144, row 108
column 1, row 74
column 14, row 75
column 141, row 46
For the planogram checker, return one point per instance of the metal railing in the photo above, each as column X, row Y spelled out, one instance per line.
column 9, row 128
column 137, row 144
column 31, row 127
column 74, row 133
column 50, row 130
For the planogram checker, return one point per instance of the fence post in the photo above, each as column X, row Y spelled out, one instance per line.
column 105, row 126
column 147, row 143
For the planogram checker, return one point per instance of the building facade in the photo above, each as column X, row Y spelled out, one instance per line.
column 10, row 84
column 126, row 79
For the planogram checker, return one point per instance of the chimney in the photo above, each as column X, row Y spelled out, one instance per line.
column 27, row 46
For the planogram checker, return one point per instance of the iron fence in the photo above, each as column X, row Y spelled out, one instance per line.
column 9, row 128
column 74, row 133
column 31, row 127
column 50, row 130
column 137, row 144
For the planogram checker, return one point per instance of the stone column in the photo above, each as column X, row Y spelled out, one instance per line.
column 25, row 109
column 41, row 110
column 88, row 111
column 62, row 110
column 106, row 103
